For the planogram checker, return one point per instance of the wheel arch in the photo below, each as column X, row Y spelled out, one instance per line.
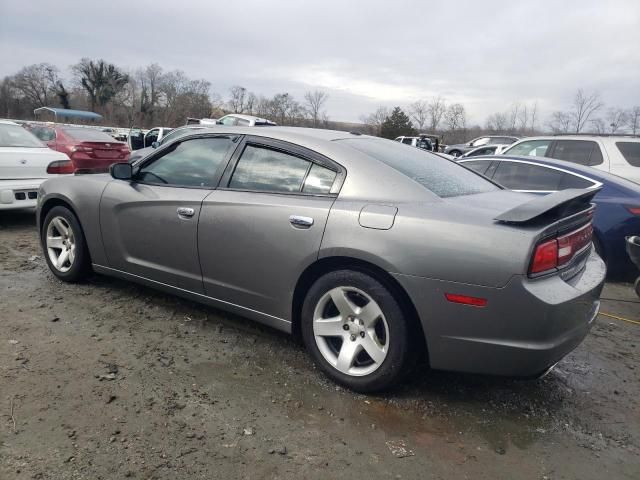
column 58, row 201
column 330, row 264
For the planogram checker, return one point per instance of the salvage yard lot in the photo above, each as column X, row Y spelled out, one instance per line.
column 113, row 380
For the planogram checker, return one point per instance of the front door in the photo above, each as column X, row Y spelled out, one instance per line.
column 149, row 225
column 264, row 225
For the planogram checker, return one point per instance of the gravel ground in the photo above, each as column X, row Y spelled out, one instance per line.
column 111, row 380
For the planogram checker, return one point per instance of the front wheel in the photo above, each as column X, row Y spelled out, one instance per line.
column 455, row 153
column 64, row 246
column 356, row 331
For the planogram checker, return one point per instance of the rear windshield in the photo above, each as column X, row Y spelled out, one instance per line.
column 16, row 136
column 443, row 177
column 88, row 135
column 630, row 151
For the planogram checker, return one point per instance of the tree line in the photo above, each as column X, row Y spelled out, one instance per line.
column 150, row 96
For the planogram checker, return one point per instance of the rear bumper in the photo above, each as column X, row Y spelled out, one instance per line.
column 16, row 194
column 525, row 328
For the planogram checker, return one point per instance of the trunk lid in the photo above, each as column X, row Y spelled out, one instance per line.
column 26, row 163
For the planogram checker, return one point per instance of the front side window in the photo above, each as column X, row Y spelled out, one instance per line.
column 442, row 177
column 582, row 152
column 483, row 151
column 229, row 121
column 479, row 166
column 523, row 176
column 192, row 163
column 16, row 136
column 530, row 148
column 630, row 151
column 407, row 141
column 480, row 141
column 46, row 134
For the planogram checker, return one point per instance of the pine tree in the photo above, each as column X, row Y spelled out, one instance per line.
column 396, row 124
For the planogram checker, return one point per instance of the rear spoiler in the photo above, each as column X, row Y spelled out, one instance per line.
column 559, row 204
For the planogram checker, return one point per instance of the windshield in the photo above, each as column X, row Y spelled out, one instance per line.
column 443, row 177
column 88, row 135
column 16, row 136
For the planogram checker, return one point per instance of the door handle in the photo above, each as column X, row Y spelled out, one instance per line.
column 186, row 212
column 300, row 221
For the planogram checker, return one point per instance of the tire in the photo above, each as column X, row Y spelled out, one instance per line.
column 382, row 330
column 61, row 232
column 636, row 286
column 455, row 153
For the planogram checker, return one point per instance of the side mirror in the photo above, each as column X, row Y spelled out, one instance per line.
column 155, row 144
column 121, row 171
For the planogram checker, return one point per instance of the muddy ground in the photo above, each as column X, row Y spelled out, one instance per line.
column 110, row 380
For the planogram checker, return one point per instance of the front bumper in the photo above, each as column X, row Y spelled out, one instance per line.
column 526, row 327
column 18, row 195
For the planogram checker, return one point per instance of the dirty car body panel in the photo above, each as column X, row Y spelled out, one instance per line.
column 246, row 249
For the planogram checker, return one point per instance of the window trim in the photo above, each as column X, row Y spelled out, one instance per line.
column 217, row 175
column 596, row 183
column 289, row 149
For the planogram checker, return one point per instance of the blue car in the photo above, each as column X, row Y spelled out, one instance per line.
column 618, row 211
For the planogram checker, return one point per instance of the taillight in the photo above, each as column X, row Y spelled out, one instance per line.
column 80, row 148
column 545, row 257
column 60, row 167
column 557, row 252
column 634, row 210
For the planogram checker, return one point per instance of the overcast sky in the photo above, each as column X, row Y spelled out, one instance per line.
column 485, row 54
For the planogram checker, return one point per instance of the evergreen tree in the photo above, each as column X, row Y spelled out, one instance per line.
column 396, row 124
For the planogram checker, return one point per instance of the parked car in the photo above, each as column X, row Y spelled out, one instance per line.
column 25, row 162
column 287, row 227
column 484, row 150
column 172, row 135
column 240, row 120
column 461, row 148
column 89, row 149
column 618, row 202
column 617, row 154
column 419, row 142
column 139, row 139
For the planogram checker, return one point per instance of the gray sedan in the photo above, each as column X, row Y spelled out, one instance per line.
column 371, row 251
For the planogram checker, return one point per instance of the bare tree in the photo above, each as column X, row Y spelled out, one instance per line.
column 633, row 116
column 584, row 106
column 534, row 113
column 313, row 102
column 375, row 120
column 237, row 100
column 250, row 103
column 419, row 112
column 617, row 119
column 497, row 122
column 523, row 118
column 436, row 108
column 560, row 122
column 455, row 117
column 598, row 125
column 37, row 83
column 512, row 117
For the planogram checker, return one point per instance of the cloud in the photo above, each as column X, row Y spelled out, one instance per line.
column 487, row 55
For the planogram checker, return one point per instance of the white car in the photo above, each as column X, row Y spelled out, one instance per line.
column 617, row 154
column 25, row 162
column 485, row 150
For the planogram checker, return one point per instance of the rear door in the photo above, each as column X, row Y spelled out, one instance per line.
column 149, row 225
column 263, row 226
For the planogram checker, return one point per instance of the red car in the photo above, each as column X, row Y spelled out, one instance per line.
column 88, row 149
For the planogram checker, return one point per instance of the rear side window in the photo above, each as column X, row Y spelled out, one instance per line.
column 439, row 175
column 407, row 141
column 530, row 148
column 582, row 152
column 630, row 151
column 570, row 180
column 88, row 135
column 524, row 176
column 268, row 170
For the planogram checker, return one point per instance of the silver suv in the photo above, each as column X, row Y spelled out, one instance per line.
column 617, row 154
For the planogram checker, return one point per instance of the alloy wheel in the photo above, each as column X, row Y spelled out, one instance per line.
column 351, row 331
column 61, row 244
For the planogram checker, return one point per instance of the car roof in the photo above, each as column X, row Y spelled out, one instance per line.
column 583, row 136
column 247, row 117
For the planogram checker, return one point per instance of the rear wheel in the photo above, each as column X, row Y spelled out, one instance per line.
column 455, row 153
column 64, row 245
column 356, row 331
